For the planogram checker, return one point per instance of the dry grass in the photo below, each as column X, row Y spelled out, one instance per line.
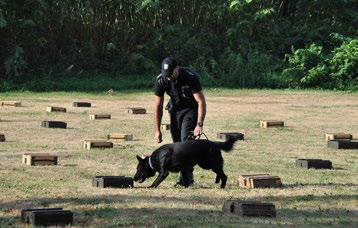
column 317, row 198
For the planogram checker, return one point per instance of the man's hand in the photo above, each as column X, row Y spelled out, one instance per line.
column 198, row 131
column 158, row 137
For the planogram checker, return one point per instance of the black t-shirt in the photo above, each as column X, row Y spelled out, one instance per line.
column 181, row 91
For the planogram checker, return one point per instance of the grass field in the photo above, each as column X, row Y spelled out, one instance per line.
column 308, row 198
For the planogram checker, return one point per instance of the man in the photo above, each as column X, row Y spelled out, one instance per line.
column 187, row 106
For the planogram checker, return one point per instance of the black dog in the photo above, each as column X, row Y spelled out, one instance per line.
column 182, row 156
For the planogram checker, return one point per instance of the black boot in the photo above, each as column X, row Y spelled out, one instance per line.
column 180, row 180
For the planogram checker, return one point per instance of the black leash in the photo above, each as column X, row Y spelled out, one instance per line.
column 198, row 136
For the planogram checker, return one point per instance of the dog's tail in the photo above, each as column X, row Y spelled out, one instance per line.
column 229, row 143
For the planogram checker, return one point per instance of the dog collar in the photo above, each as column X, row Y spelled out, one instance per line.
column 150, row 163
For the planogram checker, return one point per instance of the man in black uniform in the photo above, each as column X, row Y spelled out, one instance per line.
column 187, row 106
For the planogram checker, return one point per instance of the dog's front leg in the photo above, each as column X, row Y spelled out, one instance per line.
column 160, row 178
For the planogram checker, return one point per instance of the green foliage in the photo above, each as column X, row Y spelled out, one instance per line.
column 343, row 64
column 15, row 64
column 236, row 43
column 302, row 72
column 314, row 68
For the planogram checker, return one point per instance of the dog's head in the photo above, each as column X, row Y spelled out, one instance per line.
column 143, row 170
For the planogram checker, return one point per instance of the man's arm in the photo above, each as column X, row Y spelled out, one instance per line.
column 158, row 114
column 200, row 98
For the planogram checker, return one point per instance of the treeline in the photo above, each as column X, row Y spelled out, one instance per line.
column 231, row 43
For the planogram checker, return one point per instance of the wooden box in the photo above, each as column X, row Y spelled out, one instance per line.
column 37, row 159
column 136, row 110
column 99, row 116
column 271, row 123
column 47, row 217
column 225, row 135
column 118, row 136
column 89, row 144
column 2, row 137
column 11, row 103
column 25, row 212
column 266, row 181
column 112, row 182
column 165, row 127
column 343, row 144
column 55, row 109
column 81, row 104
column 260, row 181
column 54, row 124
column 249, row 208
column 244, row 179
column 338, row 136
column 314, row 163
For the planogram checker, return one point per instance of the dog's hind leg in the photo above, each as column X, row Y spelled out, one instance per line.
column 220, row 175
column 217, row 179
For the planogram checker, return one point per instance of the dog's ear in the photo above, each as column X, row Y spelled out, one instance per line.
column 139, row 158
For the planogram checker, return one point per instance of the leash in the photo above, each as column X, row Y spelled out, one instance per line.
column 198, row 136
column 202, row 133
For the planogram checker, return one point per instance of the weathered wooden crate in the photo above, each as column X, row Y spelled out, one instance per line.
column 99, row 116
column 271, row 123
column 165, row 127
column 343, row 144
column 119, row 136
column 112, row 182
column 39, row 159
column 249, row 208
column 338, row 136
column 136, row 110
column 81, row 104
column 90, row 144
column 55, row 109
column 225, row 135
column 54, row 124
column 47, row 217
column 25, row 212
column 260, row 181
column 244, row 179
column 314, row 163
column 265, row 181
column 2, row 137
column 11, row 103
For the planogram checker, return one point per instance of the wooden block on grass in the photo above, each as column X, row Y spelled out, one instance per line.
column 343, row 144
column 39, row 159
column 11, row 103
column 225, row 135
column 165, row 127
column 249, row 208
column 266, row 181
column 2, row 137
column 47, row 217
column 260, row 181
column 314, row 163
column 112, row 182
column 271, row 123
column 81, row 104
column 99, row 116
column 54, row 124
column 136, row 110
column 90, row 144
column 55, row 109
column 244, row 179
column 338, row 136
column 118, row 136
column 25, row 212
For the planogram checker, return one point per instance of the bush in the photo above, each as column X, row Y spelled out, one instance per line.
column 313, row 68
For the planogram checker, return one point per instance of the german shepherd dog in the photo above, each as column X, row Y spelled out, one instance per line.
column 182, row 156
